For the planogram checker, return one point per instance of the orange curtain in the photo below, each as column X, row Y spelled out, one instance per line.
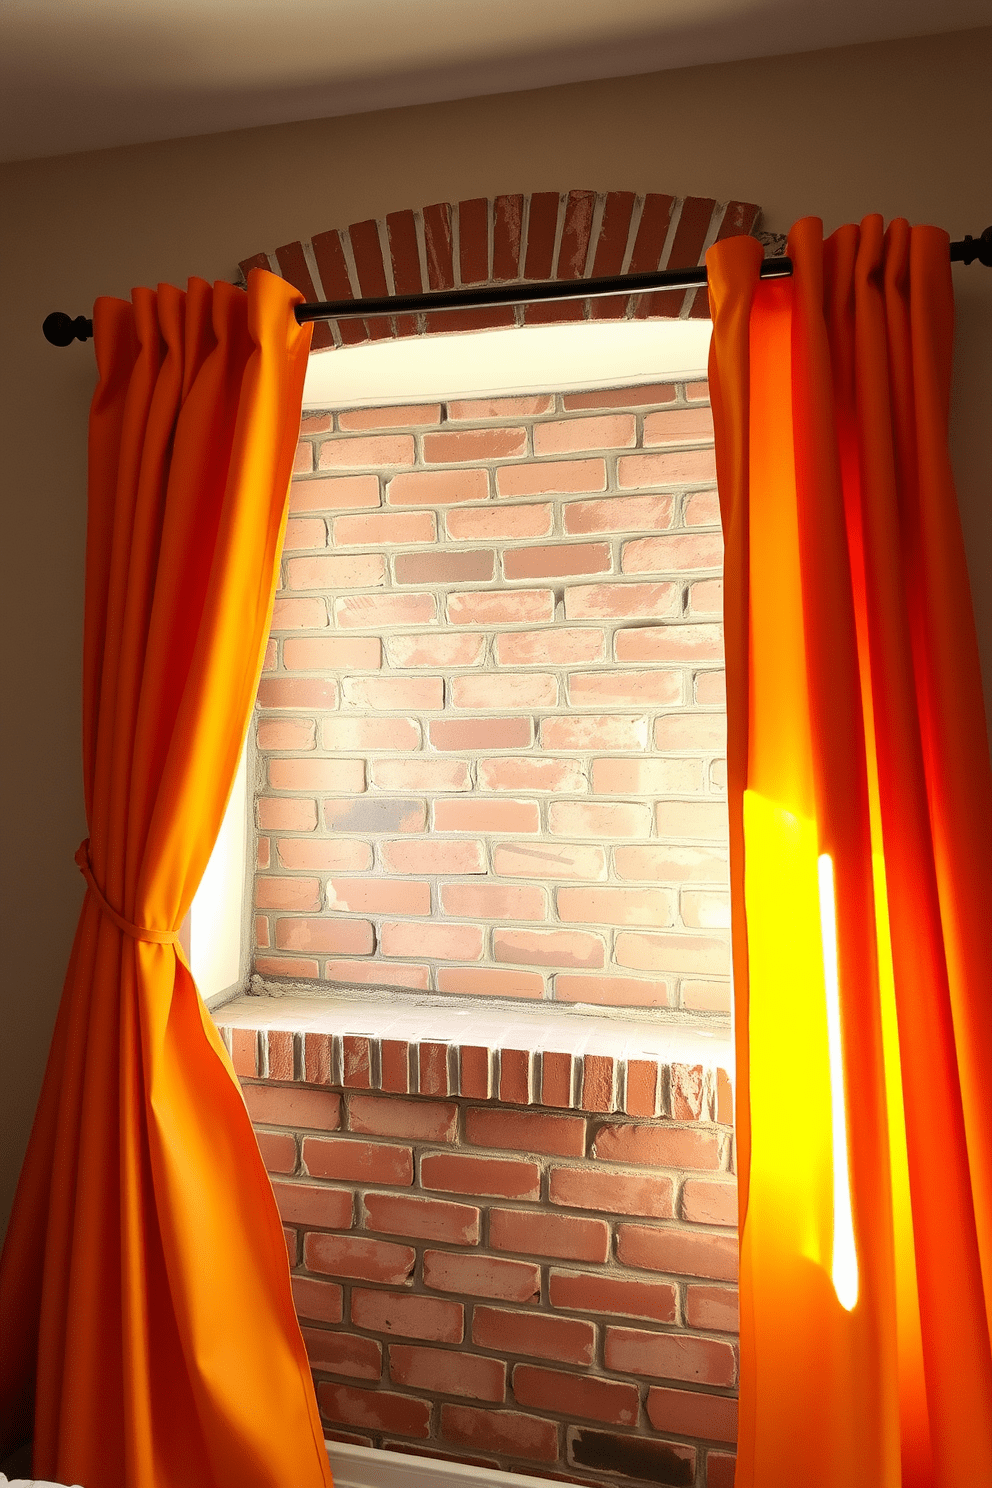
column 149, row 1335
column 861, row 843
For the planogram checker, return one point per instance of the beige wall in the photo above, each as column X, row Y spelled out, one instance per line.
column 898, row 128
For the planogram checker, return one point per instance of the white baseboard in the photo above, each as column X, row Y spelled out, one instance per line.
column 364, row 1467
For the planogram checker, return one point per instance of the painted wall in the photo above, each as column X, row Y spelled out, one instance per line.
column 896, row 128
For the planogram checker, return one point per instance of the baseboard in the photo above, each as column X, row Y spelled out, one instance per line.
column 364, row 1467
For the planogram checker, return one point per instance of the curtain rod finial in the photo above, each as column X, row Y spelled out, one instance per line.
column 971, row 248
column 61, row 330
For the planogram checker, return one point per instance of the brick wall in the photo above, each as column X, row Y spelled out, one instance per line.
column 492, row 719
column 506, row 1282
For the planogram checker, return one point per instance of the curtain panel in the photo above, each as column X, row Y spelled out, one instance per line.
column 149, row 1335
column 861, row 837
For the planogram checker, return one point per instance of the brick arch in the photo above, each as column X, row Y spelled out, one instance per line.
column 508, row 240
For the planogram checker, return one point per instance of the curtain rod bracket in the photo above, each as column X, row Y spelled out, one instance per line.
column 61, row 330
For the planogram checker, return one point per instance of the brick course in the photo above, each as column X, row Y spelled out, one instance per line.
column 559, row 721
column 547, row 1289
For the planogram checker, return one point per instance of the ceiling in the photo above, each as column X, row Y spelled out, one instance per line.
column 87, row 74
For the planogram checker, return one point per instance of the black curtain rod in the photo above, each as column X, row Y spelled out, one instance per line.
column 61, row 330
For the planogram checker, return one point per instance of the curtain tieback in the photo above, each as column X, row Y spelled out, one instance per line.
column 136, row 932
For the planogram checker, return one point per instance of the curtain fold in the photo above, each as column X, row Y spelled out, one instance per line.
column 861, row 867
column 150, row 1339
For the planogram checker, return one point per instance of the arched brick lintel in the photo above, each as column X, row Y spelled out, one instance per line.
column 508, row 240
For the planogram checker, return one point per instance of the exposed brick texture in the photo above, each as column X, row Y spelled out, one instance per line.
column 500, row 709
column 499, row 1280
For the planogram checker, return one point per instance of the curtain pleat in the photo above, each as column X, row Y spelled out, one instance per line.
column 861, row 868
column 145, row 1302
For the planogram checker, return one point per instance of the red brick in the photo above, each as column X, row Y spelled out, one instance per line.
column 340, row 571
column 331, row 856
column 281, row 1054
column 705, row 909
column 559, row 646
column 495, row 607
column 384, row 529
column 637, row 1457
column 274, row 1105
column 721, row 1470
column 690, row 1413
column 493, row 901
column 278, row 1151
column 356, row 1061
column 375, row 814
column 678, row 1252
column 556, row 1078
column 594, row 732
column 321, row 1300
column 441, row 649
column 484, row 981
column 616, row 1193
column 342, row 937
column 475, row 1081
column 661, row 1145
column 287, row 893
column 598, row 1082
column 566, row 1340
column 559, row 560
column 575, row 1396
column 471, row 409
column 286, row 966
column 505, row 690
column 432, row 1065
column 244, row 1051
column 610, row 906
column 416, row 694
column 376, row 451
column 622, row 601
column 317, row 774
column 286, row 816
column 459, row 567
column 619, row 514
column 304, row 532
column 381, row 1410
column 428, row 1219
column 526, row 1131
column 671, row 643
column 422, row 775
column 678, row 426
column 499, row 1177
column 437, row 487
column 434, row 856
column 343, row 1353
column 714, row 1309
column 531, row 775
column 695, row 954
column 548, row 860
column 711, row 689
column 697, row 390
column 261, row 924
column 482, row 1276
column 440, row 942
column 548, row 476
column 702, row 509
column 292, row 1240
column 599, row 819
column 627, row 688
column 444, row 1372
column 564, row 436
column 403, row 416
column 707, row 1201
column 468, row 445
column 670, row 1356
column 408, row 1316
column 394, row 1058
column 382, row 896
column 361, row 734
column 480, row 733
column 689, row 467
column 487, row 523
column 706, row 597
column 289, row 692
column 646, row 777
column 554, row 948
column 342, row 493
column 672, row 863
column 633, row 397
column 612, row 1295
column 561, row 1235
column 287, row 733
column 515, row 1077
column 414, row 1120
column 355, row 1256
column 502, row 1431
column 357, row 1162
column 687, row 1091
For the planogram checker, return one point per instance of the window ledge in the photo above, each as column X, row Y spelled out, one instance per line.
column 600, row 1062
